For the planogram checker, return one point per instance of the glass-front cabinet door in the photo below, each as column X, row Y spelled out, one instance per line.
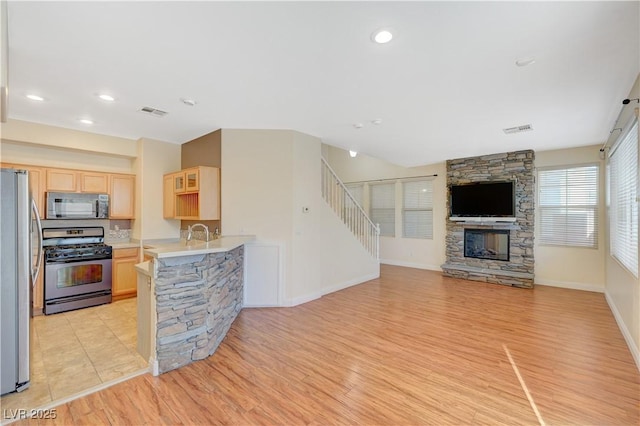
column 192, row 180
column 179, row 182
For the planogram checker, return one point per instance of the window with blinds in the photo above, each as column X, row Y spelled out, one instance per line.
column 355, row 189
column 417, row 209
column 568, row 206
column 623, row 193
column 383, row 207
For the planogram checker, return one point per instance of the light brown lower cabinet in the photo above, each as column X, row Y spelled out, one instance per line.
column 123, row 277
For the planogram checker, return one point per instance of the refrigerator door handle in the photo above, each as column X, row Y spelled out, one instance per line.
column 36, row 272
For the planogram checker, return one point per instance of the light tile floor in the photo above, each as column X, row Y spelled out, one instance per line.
column 74, row 351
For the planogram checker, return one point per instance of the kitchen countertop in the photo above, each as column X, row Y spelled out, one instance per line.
column 144, row 268
column 195, row 247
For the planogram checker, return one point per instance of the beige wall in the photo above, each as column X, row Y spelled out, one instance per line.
column 411, row 252
column 41, row 145
column 269, row 176
column 155, row 158
column 256, row 196
column 622, row 288
column 50, row 156
column 572, row 267
column 58, row 137
column 306, row 244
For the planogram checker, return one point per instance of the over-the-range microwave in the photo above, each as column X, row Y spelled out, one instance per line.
column 71, row 205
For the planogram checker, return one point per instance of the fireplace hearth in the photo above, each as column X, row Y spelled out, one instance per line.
column 492, row 244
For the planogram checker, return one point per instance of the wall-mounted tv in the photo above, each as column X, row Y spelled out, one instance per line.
column 483, row 199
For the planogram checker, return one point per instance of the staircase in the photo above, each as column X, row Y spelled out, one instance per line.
column 349, row 211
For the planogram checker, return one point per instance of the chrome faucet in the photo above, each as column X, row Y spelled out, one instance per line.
column 190, row 231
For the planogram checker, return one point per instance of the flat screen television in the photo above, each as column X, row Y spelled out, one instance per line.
column 483, row 199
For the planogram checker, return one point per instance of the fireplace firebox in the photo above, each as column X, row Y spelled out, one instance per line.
column 492, row 244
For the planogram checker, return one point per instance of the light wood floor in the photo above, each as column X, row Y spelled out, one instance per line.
column 409, row 348
column 74, row 351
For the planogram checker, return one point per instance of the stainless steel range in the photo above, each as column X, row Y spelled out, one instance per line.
column 77, row 271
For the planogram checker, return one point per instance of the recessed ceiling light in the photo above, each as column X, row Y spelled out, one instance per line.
column 35, row 97
column 377, row 121
column 523, row 62
column 358, row 125
column 353, row 154
column 188, row 102
column 86, row 121
column 382, row 36
column 106, row 97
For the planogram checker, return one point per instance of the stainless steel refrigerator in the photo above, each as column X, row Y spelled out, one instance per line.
column 17, row 275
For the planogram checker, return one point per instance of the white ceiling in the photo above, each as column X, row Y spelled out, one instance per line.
column 444, row 87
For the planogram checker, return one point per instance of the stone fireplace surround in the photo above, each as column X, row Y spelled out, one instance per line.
column 518, row 271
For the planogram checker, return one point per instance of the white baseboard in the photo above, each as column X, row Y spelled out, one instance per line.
column 635, row 352
column 337, row 287
column 350, row 283
column 411, row 264
column 571, row 285
column 302, row 299
column 154, row 367
column 271, row 305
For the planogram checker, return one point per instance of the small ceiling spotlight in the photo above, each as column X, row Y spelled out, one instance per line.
column 523, row 62
column 626, row 101
column 188, row 102
column 107, row 98
column 376, row 122
column 358, row 125
column 382, row 36
column 353, row 154
column 86, row 121
column 34, row 97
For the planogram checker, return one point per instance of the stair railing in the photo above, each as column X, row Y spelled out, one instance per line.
column 336, row 194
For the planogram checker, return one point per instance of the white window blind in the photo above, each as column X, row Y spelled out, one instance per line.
column 383, row 207
column 623, row 181
column 568, row 212
column 417, row 209
column 355, row 189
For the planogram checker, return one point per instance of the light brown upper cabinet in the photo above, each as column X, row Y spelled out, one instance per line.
column 178, row 182
column 97, row 183
column 168, row 197
column 122, row 196
column 61, row 180
column 187, row 180
column 194, row 194
column 120, row 187
column 36, row 183
column 66, row 180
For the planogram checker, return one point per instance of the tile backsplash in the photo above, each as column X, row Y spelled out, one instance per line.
column 118, row 234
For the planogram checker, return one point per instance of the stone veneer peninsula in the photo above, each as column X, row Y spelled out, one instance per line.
column 197, row 293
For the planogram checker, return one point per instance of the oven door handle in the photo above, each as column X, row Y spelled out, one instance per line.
column 36, row 272
column 88, row 259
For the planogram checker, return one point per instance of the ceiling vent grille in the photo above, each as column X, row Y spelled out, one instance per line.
column 153, row 111
column 518, row 129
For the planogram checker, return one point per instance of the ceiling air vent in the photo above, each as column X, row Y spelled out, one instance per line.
column 518, row 129
column 153, row 111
